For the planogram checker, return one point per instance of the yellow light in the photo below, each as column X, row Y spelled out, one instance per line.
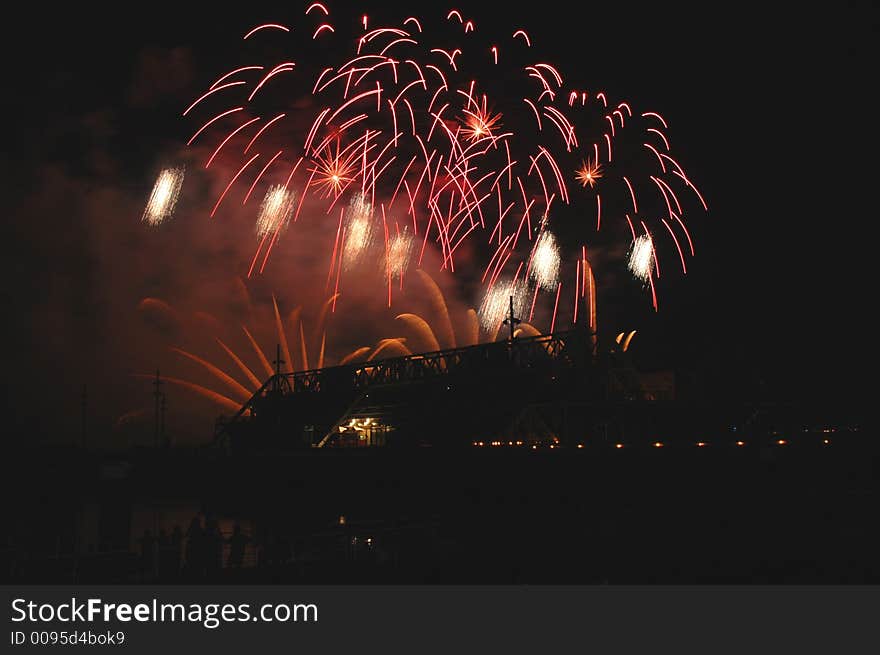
column 534, row 447
column 580, row 445
column 341, row 519
column 781, row 442
column 618, row 445
column 700, row 444
column 740, row 443
column 658, row 444
column 826, row 441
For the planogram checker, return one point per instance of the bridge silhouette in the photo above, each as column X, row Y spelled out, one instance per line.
column 476, row 392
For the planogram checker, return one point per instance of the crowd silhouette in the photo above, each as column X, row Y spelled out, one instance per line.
column 199, row 553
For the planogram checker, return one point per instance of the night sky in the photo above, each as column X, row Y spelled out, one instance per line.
column 772, row 111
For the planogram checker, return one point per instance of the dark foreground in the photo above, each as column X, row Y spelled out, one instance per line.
column 800, row 512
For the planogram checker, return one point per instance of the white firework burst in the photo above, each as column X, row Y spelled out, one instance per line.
column 275, row 210
column 641, row 258
column 400, row 249
column 544, row 268
column 358, row 230
column 163, row 199
column 496, row 303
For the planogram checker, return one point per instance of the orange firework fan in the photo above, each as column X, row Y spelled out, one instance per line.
column 588, row 173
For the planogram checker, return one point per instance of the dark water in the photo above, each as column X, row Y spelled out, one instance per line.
column 802, row 512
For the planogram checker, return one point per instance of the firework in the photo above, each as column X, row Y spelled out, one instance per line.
column 496, row 303
column 235, row 387
column 479, row 122
column 641, row 257
column 162, row 200
column 358, row 230
column 545, row 261
column 395, row 118
column 400, row 250
column 276, row 210
column 589, row 173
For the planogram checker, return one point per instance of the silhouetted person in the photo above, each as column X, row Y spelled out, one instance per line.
column 195, row 539
column 237, row 543
column 148, row 554
column 213, row 544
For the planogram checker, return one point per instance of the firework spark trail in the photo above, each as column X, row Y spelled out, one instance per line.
column 446, row 336
column 427, row 341
column 267, row 368
column 282, row 338
column 224, row 401
column 253, row 379
column 321, row 323
column 240, row 391
column 395, row 346
column 163, row 198
column 321, row 350
column 400, row 99
column 354, row 355
column 527, row 330
column 472, row 334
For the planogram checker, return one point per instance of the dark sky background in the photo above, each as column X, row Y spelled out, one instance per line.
column 773, row 112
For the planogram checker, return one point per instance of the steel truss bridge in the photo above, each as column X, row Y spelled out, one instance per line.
column 519, row 389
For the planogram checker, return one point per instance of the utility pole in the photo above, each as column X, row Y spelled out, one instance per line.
column 157, row 395
column 276, row 383
column 511, row 320
column 162, row 421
